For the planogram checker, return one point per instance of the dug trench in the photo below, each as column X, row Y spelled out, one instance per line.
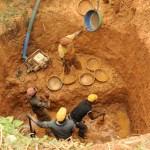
column 113, row 94
column 123, row 55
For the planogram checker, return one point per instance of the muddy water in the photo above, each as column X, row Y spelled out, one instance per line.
column 124, row 123
column 115, row 126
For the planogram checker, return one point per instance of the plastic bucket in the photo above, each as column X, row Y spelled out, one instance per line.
column 92, row 20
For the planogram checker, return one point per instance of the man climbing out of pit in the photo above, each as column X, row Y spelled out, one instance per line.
column 85, row 108
column 67, row 52
column 39, row 107
column 61, row 127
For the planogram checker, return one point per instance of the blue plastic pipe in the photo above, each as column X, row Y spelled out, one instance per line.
column 30, row 28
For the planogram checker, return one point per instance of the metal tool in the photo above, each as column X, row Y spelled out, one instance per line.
column 101, row 114
column 32, row 133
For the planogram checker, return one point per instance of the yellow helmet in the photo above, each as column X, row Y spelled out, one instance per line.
column 61, row 114
column 92, row 97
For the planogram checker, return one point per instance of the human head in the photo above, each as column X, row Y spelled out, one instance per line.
column 65, row 41
column 92, row 98
column 61, row 114
column 31, row 92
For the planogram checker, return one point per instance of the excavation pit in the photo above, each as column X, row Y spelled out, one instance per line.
column 112, row 96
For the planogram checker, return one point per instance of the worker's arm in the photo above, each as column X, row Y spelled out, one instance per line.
column 47, row 95
column 61, row 51
column 94, row 116
column 64, row 61
column 44, row 124
column 73, row 125
column 80, row 31
column 72, row 36
column 41, row 104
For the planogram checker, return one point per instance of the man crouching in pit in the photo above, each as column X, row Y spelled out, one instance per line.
column 39, row 107
column 82, row 109
column 61, row 127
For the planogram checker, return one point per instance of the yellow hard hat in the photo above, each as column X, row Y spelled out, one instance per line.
column 61, row 114
column 92, row 97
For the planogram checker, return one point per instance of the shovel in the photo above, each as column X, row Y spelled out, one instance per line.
column 32, row 133
column 101, row 114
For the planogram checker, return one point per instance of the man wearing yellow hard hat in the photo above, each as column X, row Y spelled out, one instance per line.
column 82, row 109
column 61, row 127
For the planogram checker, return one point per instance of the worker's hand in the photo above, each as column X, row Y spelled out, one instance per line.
column 28, row 115
column 79, row 32
column 84, row 28
column 47, row 95
column 63, row 61
column 103, row 113
column 49, row 104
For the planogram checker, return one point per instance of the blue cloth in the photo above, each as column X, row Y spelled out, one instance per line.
column 60, row 131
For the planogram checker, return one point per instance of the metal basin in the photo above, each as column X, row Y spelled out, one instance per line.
column 93, row 64
column 54, row 83
column 86, row 79
column 69, row 78
column 101, row 75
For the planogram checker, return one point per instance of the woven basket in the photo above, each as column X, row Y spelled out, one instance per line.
column 84, row 6
column 93, row 64
column 101, row 75
column 69, row 79
column 86, row 79
column 54, row 83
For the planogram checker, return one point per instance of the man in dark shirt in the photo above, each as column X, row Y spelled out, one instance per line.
column 39, row 107
column 84, row 108
column 61, row 127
